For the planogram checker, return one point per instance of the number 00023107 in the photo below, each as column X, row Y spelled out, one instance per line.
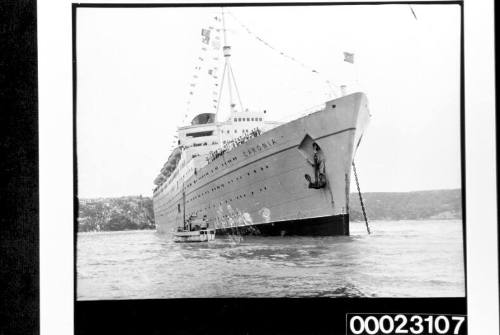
column 404, row 323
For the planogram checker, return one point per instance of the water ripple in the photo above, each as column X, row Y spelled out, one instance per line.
column 405, row 258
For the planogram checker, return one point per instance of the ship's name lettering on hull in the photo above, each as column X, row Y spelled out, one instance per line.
column 259, row 147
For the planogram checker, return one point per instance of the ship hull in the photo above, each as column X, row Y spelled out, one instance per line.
column 322, row 226
column 260, row 186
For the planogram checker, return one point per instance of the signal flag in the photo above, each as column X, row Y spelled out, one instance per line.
column 348, row 57
column 206, row 36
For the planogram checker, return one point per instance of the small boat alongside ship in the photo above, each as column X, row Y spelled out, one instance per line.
column 261, row 177
column 194, row 230
column 202, row 235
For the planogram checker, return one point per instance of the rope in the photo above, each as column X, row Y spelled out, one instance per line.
column 236, row 87
column 360, row 197
column 220, row 92
column 285, row 54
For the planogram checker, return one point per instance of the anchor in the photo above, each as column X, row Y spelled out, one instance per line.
column 318, row 163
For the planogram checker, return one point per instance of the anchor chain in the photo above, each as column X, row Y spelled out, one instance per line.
column 360, row 197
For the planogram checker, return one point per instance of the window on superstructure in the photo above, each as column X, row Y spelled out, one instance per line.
column 239, row 119
column 235, row 120
column 260, row 119
column 248, row 119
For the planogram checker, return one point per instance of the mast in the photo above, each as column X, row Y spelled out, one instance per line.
column 227, row 71
column 227, row 64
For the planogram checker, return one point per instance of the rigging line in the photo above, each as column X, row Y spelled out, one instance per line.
column 236, row 87
column 229, row 86
column 360, row 196
column 283, row 54
column 304, row 112
column 227, row 62
column 196, row 77
column 220, row 93
column 224, row 25
column 413, row 12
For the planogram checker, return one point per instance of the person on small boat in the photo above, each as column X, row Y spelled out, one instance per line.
column 204, row 224
column 318, row 163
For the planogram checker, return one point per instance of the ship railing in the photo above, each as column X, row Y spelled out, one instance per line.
column 232, row 144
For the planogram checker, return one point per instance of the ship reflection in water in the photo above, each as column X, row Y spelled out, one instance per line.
column 399, row 259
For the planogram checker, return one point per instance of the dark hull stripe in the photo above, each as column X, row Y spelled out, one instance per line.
column 322, row 226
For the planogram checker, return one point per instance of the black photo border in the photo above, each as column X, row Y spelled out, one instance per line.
column 248, row 315
column 19, row 169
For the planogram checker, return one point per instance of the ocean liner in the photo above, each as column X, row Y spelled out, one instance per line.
column 249, row 175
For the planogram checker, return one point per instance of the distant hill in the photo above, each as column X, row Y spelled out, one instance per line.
column 108, row 214
column 136, row 212
column 418, row 205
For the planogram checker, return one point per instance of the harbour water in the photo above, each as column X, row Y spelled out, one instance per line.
column 399, row 259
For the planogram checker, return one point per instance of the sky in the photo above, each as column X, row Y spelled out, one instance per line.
column 136, row 67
